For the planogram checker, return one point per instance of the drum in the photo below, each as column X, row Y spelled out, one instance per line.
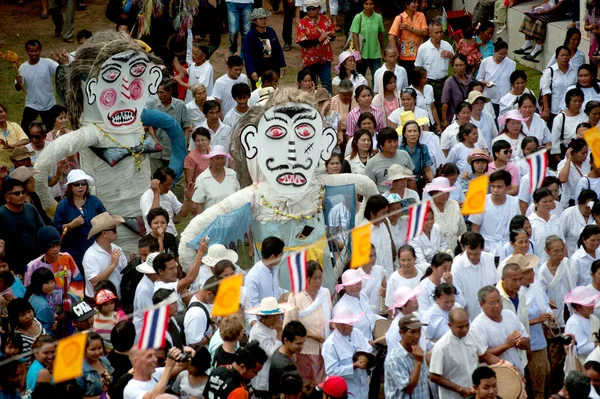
column 510, row 384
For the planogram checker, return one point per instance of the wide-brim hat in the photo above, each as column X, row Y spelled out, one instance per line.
column 215, row 151
column 23, row 173
column 475, row 95
column 351, row 277
column 269, row 306
column 78, row 175
column 218, row 252
column 146, row 267
column 322, row 95
column 525, row 262
column 583, row 296
column 439, row 184
column 259, row 13
column 264, row 94
column 408, row 116
column 104, row 221
column 345, row 315
column 344, row 55
column 403, row 294
column 478, row 155
column 104, row 296
column 381, row 328
column 21, row 153
column 371, row 359
column 314, row 3
column 512, row 114
column 396, row 172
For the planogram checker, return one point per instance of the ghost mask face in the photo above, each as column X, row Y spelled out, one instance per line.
column 288, row 142
column 123, row 85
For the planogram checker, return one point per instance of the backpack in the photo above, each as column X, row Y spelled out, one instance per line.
column 210, row 324
column 130, row 278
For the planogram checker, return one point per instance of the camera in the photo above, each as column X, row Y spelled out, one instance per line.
column 564, row 339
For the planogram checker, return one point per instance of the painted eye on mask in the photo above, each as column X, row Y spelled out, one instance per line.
column 305, row 131
column 111, row 75
column 138, row 69
column 276, row 132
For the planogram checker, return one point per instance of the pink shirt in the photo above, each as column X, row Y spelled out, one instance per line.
column 510, row 168
column 353, row 116
column 194, row 161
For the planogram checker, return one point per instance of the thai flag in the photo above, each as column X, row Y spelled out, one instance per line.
column 538, row 164
column 298, row 268
column 416, row 219
column 154, row 329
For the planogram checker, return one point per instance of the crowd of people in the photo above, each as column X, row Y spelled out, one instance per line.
column 503, row 301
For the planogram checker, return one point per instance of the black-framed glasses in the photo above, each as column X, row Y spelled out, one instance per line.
column 408, row 90
column 80, row 184
column 17, row 193
column 311, row 8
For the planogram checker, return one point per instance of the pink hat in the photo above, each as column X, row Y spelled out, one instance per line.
column 351, row 277
column 345, row 315
column 403, row 294
column 439, row 184
column 583, row 296
column 215, row 151
column 344, row 56
column 512, row 114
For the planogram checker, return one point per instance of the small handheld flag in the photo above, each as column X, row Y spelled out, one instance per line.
column 416, row 219
column 592, row 138
column 227, row 300
column 538, row 164
column 361, row 245
column 154, row 329
column 69, row 358
column 298, row 268
column 476, row 195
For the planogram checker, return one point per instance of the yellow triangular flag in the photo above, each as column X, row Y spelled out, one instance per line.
column 592, row 138
column 475, row 199
column 227, row 300
column 68, row 363
column 361, row 245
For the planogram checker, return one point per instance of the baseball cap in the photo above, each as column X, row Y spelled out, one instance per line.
column 81, row 311
column 335, row 387
column 410, row 322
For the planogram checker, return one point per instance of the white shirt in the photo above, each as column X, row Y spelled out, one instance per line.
column 524, row 193
column 209, row 191
column 448, row 138
column 221, row 137
column 168, row 202
column 515, row 145
column 38, row 79
column 572, row 224
column 200, row 74
column 370, row 287
column 136, row 389
column 557, row 286
column 589, row 94
column 557, row 211
column 559, row 83
column 581, row 264
column 489, row 70
column 458, row 155
column 367, row 323
column 401, row 78
column 382, row 241
column 232, row 119
column 195, row 115
column 541, row 229
column 222, row 90
column 260, row 282
column 430, row 58
column 486, row 127
column 194, row 322
column 538, row 129
column 142, row 301
column 357, row 80
column 494, row 334
column 395, row 281
column 469, row 278
column 392, row 336
column 95, row 261
column 455, row 359
column 587, row 183
column 158, row 284
column 575, row 174
column 269, row 343
column 510, row 101
column 395, row 115
column 425, row 247
column 426, row 300
column 494, row 221
column 424, row 101
column 569, row 125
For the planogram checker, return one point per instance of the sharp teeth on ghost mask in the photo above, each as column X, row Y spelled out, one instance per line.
column 291, row 179
column 122, row 117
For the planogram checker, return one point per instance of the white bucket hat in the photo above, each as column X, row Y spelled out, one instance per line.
column 218, row 252
column 146, row 267
column 269, row 306
column 78, row 175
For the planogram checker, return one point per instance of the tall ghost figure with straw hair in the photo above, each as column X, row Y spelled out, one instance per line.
column 277, row 150
column 109, row 82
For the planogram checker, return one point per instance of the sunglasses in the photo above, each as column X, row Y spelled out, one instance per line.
column 114, row 230
column 408, row 90
column 506, row 152
column 17, row 193
column 311, row 8
column 36, row 137
column 80, row 184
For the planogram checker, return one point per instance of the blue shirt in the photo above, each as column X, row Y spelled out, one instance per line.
column 260, row 282
column 32, row 375
column 398, row 368
column 43, row 310
column 91, row 381
column 18, row 289
column 420, row 158
column 489, row 48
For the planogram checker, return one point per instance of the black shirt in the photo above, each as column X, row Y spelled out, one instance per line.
column 225, row 383
column 280, row 364
column 223, row 358
column 120, row 363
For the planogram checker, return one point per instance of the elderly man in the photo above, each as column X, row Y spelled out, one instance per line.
column 500, row 330
column 509, row 287
column 455, row 356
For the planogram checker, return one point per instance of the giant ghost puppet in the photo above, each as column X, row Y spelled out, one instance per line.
column 279, row 146
column 110, row 81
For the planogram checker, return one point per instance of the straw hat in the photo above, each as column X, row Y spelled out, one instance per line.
column 381, row 328
column 408, row 116
column 21, row 153
column 351, row 277
column 475, row 95
column 104, row 221
column 215, row 151
column 314, row 3
column 269, row 306
column 104, row 296
column 218, row 252
column 259, row 13
column 264, row 94
column 345, row 315
column 322, row 95
column 583, row 296
column 396, row 172
column 403, row 294
column 23, row 173
column 78, row 175
column 512, row 114
column 525, row 262
column 344, row 55
column 439, row 184
column 478, row 155
column 371, row 359
column 146, row 267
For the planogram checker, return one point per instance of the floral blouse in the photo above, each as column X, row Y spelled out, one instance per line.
column 308, row 30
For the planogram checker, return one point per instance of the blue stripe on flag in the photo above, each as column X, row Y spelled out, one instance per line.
column 152, row 327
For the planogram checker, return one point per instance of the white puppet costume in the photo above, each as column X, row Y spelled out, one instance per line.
column 110, row 81
column 277, row 148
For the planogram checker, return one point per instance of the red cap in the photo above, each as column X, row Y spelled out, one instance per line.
column 335, row 387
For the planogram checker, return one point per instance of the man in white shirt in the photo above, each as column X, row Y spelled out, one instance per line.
column 500, row 330
column 103, row 260
column 574, row 219
column 197, row 323
column 509, row 286
column 148, row 382
column 262, row 280
column 500, row 208
column 159, row 195
column 200, row 71
column 222, row 90
column 35, row 76
column 472, row 270
column 142, row 299
column 455, row 356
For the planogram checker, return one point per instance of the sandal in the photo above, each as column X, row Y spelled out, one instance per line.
column 522, row 51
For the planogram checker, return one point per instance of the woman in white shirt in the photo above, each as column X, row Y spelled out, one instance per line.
column 428, row 243
column 495, row 72
column 407, row 274
column 571, row 169
column 397, row 222
column 586, row 254
column 361, row 150
column 375, row 210
column 347, row 70
column 518, row 83
column 586, row 81
column 464, row 111
column 436, row 317
column 520, row 244
column 575, row 218
column 439, row 272
column 565, row 124
column 425, row 97
column 582, row 323
column 543, row 223
column 447, row 212
column 481, row 118
column 374, row 287
column 512, row 131
column 194, row 107
column 217, row 182
column 533, row 124
column 592, row 110
column 408, row 101
column 468, row 137
column 518, row 222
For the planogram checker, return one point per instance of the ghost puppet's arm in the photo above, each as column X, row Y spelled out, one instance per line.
column 60, row 148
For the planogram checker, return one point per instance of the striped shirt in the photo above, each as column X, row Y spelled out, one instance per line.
column 398, row 368
column 104, row 325
column 353, row 116
column 28, row 339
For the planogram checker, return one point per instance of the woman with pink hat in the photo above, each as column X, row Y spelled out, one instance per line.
column 446, row 211
column 582, row 324
column 405, row 303
column 341, row 348
column 346, row 69
column 217, row 182
column 512, row 131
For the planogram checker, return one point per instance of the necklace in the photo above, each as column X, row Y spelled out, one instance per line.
column 136, row 155
column 296, row 217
